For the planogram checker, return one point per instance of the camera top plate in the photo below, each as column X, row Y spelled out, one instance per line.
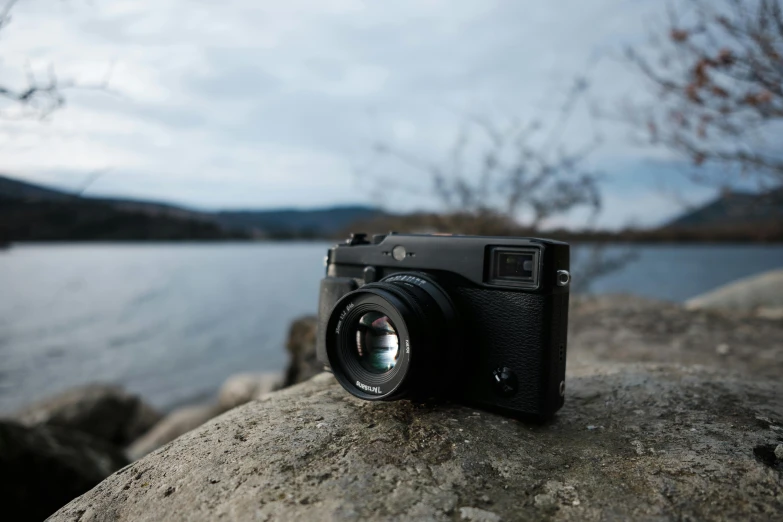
column 470, row 257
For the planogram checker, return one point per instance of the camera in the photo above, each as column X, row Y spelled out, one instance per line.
column 480, row 320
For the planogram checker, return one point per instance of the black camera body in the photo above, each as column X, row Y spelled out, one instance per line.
column 481, row 320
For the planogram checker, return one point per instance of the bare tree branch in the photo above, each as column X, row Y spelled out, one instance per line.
column 511, row 172
column 5, row 13
column 40, row 97
column 718, row 76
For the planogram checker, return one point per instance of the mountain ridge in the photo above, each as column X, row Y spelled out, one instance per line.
column 734, row 209
column 29, row 211
column 275, row 223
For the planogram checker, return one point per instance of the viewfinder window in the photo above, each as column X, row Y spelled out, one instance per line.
column 515, row 267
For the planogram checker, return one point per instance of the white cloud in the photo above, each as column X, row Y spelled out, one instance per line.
column 247, row 103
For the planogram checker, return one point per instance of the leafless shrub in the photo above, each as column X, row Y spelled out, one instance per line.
column 506, row 179
column 513, row 173
column 596, row 264
column 717, row 73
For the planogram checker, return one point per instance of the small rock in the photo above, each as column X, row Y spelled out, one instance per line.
column 544, row 501
column 722, row 349
column 638, row 447
column 478, row 515
column 557, row 493
column 244, row 387
column 779, row 452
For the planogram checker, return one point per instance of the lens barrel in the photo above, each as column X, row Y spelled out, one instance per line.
column 395, row 338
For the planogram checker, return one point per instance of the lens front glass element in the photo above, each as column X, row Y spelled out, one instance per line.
column 377, row 343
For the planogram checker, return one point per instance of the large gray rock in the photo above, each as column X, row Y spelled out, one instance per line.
column 42, row 468
column 633, row 442
column 103, row 411
column 762, row 294
column 632, row 329
column 302, row 361
column 176, row 423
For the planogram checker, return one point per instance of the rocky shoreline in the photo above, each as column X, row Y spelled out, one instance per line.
column 672, row 412
column 60, row 447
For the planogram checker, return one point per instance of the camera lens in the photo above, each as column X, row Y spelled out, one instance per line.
column 377, row 343
column 394, row 338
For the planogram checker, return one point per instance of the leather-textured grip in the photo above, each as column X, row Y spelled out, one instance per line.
column 506, row 329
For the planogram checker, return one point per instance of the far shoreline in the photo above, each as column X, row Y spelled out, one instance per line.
column 574, row 240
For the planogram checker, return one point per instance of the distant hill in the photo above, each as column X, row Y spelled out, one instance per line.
column 734, row 210
column 33, row 212
column 83, row 219
column 17, row 189
column 324, row 222
column 36, row 213
column 30, row 212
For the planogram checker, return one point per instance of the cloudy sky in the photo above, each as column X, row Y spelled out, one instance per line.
column 248, row 103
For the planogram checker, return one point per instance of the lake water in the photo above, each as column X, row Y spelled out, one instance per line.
column 172, row 321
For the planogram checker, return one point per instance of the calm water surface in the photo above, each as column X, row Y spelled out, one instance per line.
column 172, row 321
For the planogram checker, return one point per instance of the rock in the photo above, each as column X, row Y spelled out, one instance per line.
column 673, row 443
column 238, row 389
column 176, row 423
column 770, row 313
column 760, row 293
column 303, row 362
column 105, row 412
column 633, row 329
column 243, row 387
column 44, row 467
column 478, row 515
